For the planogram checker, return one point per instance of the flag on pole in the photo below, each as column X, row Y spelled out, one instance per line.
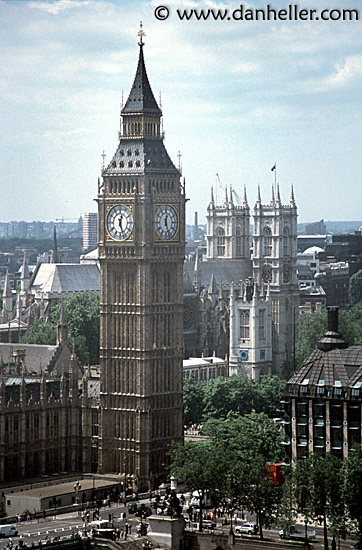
column 274, row 167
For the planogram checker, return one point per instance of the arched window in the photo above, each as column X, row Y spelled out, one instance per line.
column 238, row 243
column 244, row 324
column 267, row 241
column 220, row 242
column 286, row 251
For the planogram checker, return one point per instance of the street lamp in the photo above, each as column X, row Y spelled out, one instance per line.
column 77, row 488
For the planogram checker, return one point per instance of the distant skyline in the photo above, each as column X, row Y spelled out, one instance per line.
column 237, row 96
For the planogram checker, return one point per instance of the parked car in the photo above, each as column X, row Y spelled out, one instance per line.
column 246, row 528
column 8, row 530
column 297, row 533
column 208, row 524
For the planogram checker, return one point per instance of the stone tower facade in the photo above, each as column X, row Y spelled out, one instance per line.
column 250, row 351
column 141, row 213
column 228, row 228
column 275, row 264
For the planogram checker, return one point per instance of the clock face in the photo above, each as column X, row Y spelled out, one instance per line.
column 120, row 222
column 267, row 274
column 166, row 222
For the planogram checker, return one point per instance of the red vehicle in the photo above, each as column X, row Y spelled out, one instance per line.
column 276, row 472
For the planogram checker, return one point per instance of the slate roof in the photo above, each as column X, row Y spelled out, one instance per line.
column 66, row 278
column 37, row 357
column 224, row 271
column 141, row 98
column 344, row 365
column 140, row 156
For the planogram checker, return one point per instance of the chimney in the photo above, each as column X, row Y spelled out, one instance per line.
column 332, row 339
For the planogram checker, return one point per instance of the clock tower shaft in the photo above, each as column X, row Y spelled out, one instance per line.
column 141, row 212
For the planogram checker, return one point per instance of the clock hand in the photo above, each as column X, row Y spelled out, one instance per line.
column 166, row 221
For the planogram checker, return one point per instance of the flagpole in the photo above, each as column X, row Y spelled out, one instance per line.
column 275, row 177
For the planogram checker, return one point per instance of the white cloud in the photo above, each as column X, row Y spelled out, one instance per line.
column 346, row 73
column 246, row 68
column 60, row 136
column 57, row 7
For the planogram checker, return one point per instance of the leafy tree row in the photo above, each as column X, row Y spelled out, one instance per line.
column 231, row 468
column 231, row 465
column 236, row 394
column 81, row 312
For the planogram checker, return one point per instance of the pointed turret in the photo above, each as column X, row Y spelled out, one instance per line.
column 245, row 199
column 62, row 332
column 292, row 199
column 7, row 298
column 197, row 273
column 212, row 200
column 258, row 197
column 141, row 98
column 55, row 256
column 231, row 196
column 226, row 199
column 278, row 200
column 272, row 198
column 212, row 286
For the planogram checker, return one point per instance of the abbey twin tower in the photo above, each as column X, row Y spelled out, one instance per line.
column 156, row 308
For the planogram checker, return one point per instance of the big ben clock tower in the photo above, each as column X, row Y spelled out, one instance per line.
column 141, row 213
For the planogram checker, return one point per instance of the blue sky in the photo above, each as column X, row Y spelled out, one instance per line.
column 236, row 96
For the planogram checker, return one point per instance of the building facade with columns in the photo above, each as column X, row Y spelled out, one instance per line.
column 323, row 399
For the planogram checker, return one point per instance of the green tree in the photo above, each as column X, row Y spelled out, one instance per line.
column 353, row 491
column 41, row 333
column 244, row 445
column 198, row 465
column 268, row 394
column 81, row 312
column 225, row 395
column 193, row 393
column 355, row 288
column 318, row 483
column 313, row 326
column 356, row 319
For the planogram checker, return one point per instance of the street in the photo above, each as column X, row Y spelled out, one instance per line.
column 64, row 525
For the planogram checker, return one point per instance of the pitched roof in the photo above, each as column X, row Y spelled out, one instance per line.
column 141, row 98
column 344, row 365
column 224, row 271
column 36, row 358
column 66, row 278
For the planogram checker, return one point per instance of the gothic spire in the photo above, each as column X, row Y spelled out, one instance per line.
column 258, row 198
column 272, row 198
column 25, row 269
column 55, row 256
column 231, row 195
column 278, row 195
column 7, row 297
column 141, row 98
column 245, row 199
column 292, row 199
column 212, row 286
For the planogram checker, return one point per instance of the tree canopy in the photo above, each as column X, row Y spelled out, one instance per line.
column 237, row 394
column 355, row 288
column 231, row 465
column 81, row 312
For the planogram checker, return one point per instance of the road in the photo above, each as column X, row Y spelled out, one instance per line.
column 64, row 525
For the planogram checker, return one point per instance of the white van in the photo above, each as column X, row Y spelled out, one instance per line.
column 8, row 530
column 196, row 497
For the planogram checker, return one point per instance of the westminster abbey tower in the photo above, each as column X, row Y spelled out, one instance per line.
column 141, row 212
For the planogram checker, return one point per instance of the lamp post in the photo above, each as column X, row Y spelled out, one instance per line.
column 77, row 488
